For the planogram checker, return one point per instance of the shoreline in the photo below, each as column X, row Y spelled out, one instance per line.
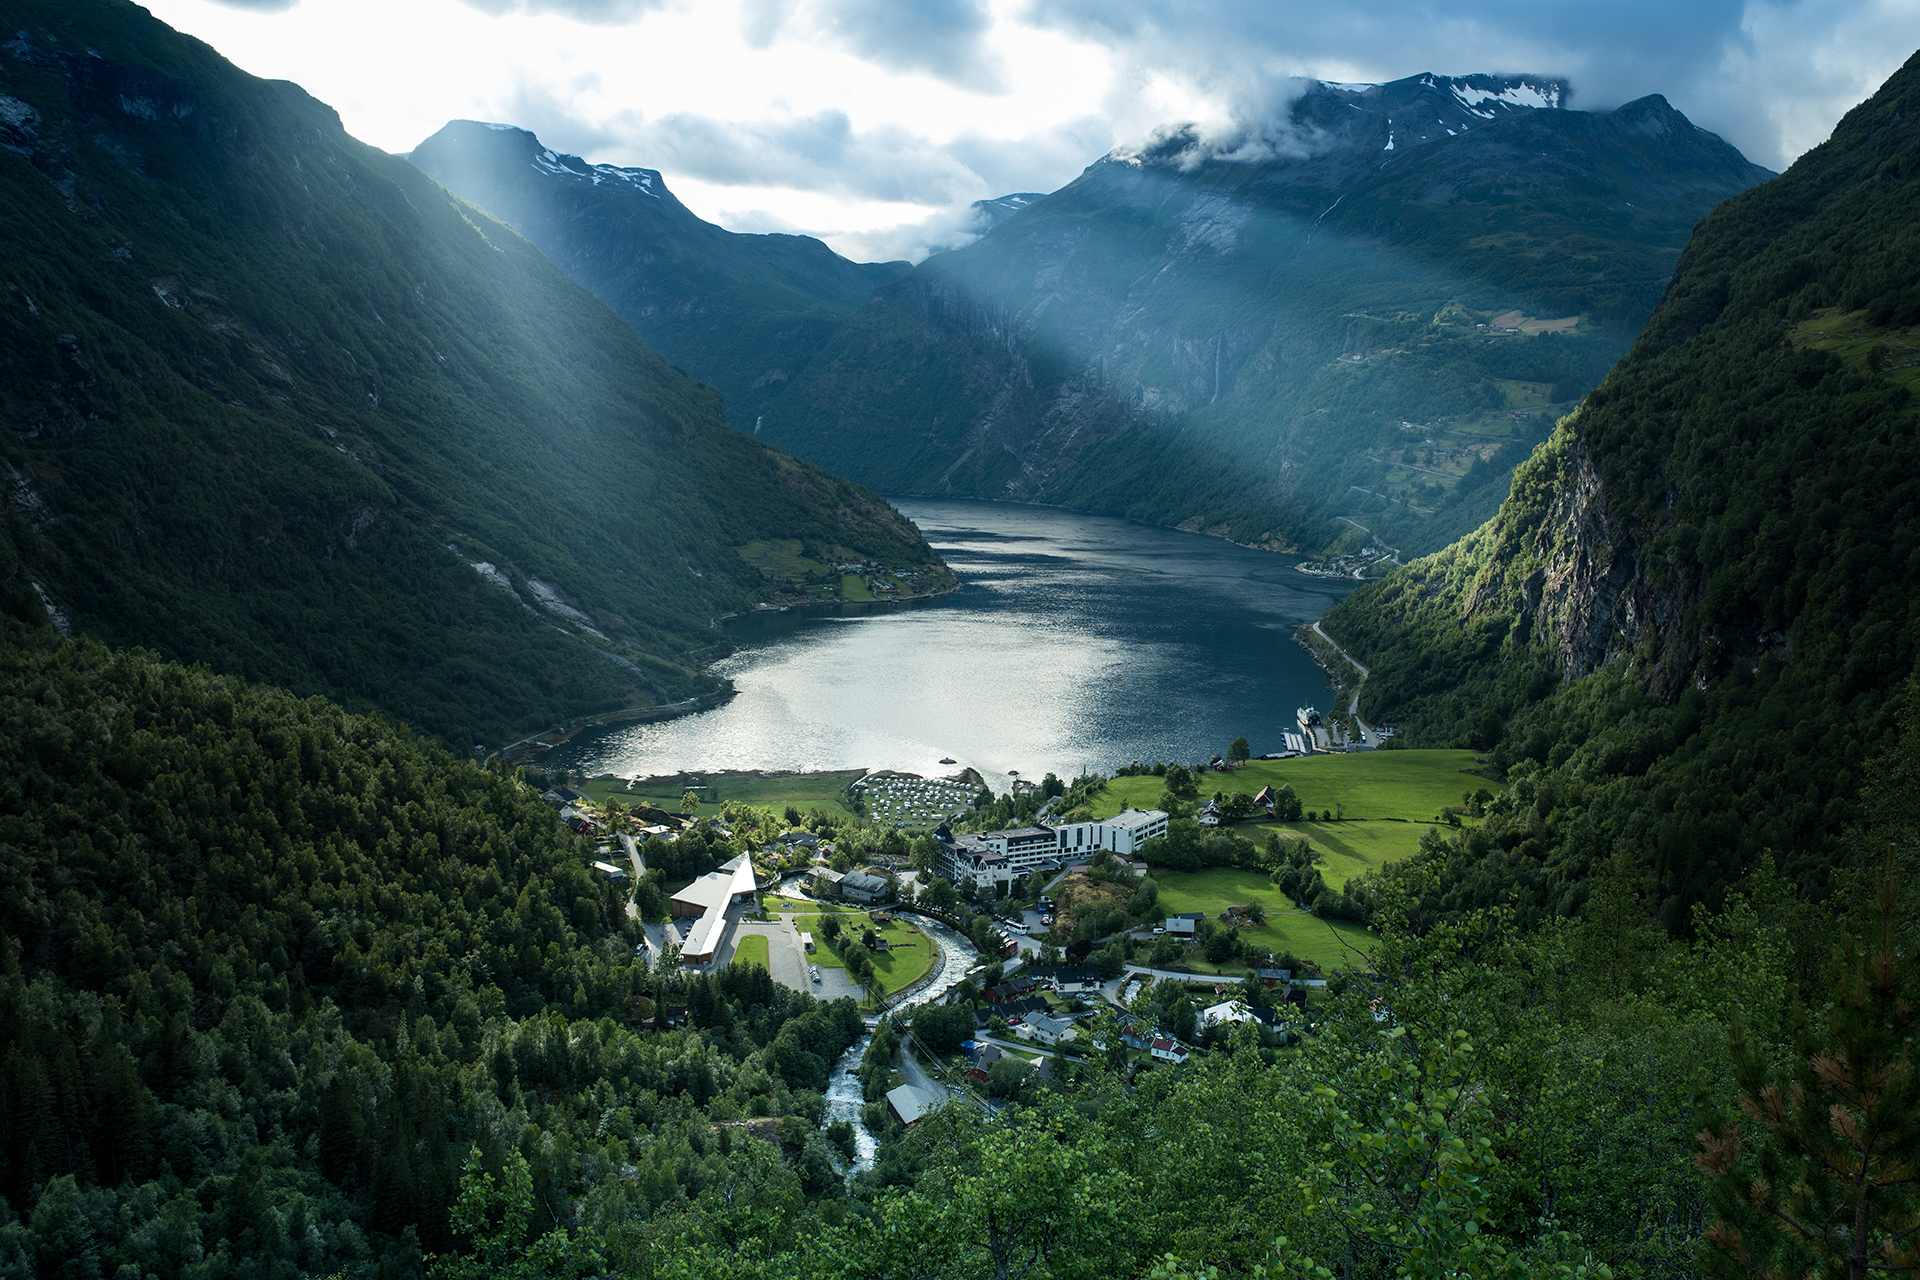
column 1061, row 506
column 814, row 604
column 533, row 744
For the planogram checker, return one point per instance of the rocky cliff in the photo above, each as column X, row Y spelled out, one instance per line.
column 1692, row 622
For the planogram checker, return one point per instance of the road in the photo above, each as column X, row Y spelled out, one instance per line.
column 1367, row 735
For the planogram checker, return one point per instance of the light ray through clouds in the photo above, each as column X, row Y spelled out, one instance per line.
column 875, row 123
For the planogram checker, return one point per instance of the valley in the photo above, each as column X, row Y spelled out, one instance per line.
column 1334, row 697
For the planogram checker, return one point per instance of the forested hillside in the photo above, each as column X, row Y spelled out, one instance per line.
column 270, row 970
column 1693, row 620
column 742, row 312
column 286, row 990
column 1370, row 306
column 278, row 402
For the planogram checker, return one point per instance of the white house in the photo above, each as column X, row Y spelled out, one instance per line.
column 1038, row 1026
column 1164, row 1049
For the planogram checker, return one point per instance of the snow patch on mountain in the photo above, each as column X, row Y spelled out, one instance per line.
column 1545, row 97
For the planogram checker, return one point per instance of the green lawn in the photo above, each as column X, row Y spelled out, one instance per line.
column 896, row 968
column 1329, row 945
column 854, row 587
column 752, row 949
column 804, row 791
column 1371, row 784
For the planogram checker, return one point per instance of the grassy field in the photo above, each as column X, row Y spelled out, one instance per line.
column 896, row 968
column 1329, row 945
column 804, row 791
column 1216, row 889
column 752, row 949
column 1348, row 848
column 1412, row 785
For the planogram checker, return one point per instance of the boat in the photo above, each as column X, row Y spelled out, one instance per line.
column 947, row 760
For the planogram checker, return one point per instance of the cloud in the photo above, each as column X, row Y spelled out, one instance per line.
column 821, row 152
column 260, row 6
column 1754, row 71
column 944, row 38
column 592, row 12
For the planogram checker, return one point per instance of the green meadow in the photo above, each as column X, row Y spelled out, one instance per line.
column 804, row 791
column 1410, row 785
column 1330, row 945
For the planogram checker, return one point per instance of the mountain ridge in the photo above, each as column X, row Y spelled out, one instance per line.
column 1690, row 625
column 1178, row 314
column 743, row 312
column 280, row 403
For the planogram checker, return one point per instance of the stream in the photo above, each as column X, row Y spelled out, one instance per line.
column 844, row 1098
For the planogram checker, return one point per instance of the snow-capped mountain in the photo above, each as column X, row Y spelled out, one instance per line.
column 1235, row 329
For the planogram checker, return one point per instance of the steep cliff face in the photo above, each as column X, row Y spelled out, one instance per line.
column 1263, row 335
column 1692, row 620
column 1590, row 598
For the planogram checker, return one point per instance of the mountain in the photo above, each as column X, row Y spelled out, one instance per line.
column 278, row 402
column 1692, row 623
column 742, row 312
column 1371, row 307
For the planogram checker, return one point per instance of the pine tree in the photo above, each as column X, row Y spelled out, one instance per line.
column 1824, row 1182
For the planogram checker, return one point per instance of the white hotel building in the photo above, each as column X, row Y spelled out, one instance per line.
column 991, row 860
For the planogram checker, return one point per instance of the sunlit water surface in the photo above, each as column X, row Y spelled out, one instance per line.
column 1077, row 642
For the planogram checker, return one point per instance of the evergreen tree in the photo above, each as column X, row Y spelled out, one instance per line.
column 1823, row 1183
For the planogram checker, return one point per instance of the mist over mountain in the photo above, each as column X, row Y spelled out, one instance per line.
column 277, row 402
column 1369, row 306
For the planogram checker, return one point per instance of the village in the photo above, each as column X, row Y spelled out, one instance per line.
column 1008, row 954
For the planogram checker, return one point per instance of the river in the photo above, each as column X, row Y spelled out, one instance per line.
column 1076, row 642
column 845, row 1101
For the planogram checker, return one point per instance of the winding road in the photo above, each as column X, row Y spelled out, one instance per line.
column 1367, row 735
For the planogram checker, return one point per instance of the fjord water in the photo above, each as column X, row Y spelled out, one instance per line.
column 1077, row 641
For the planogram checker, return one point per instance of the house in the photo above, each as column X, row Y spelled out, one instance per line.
column 1067, row 977
column 1011, row 989
column 909, row 1105
column 1013, row 1010
column 1266, row 799
column 613, row 872
column 1273, row 977
column 1038, row 1026
column 1166, row 1050
column 1232, row 1013
column 560, row 797
column 984, row 1054
column 976, row 1075
column 1183, row 926
column 801, row 839
column 1209, row 815
column 858, row 886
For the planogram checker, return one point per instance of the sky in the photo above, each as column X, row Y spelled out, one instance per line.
column 874, row 124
